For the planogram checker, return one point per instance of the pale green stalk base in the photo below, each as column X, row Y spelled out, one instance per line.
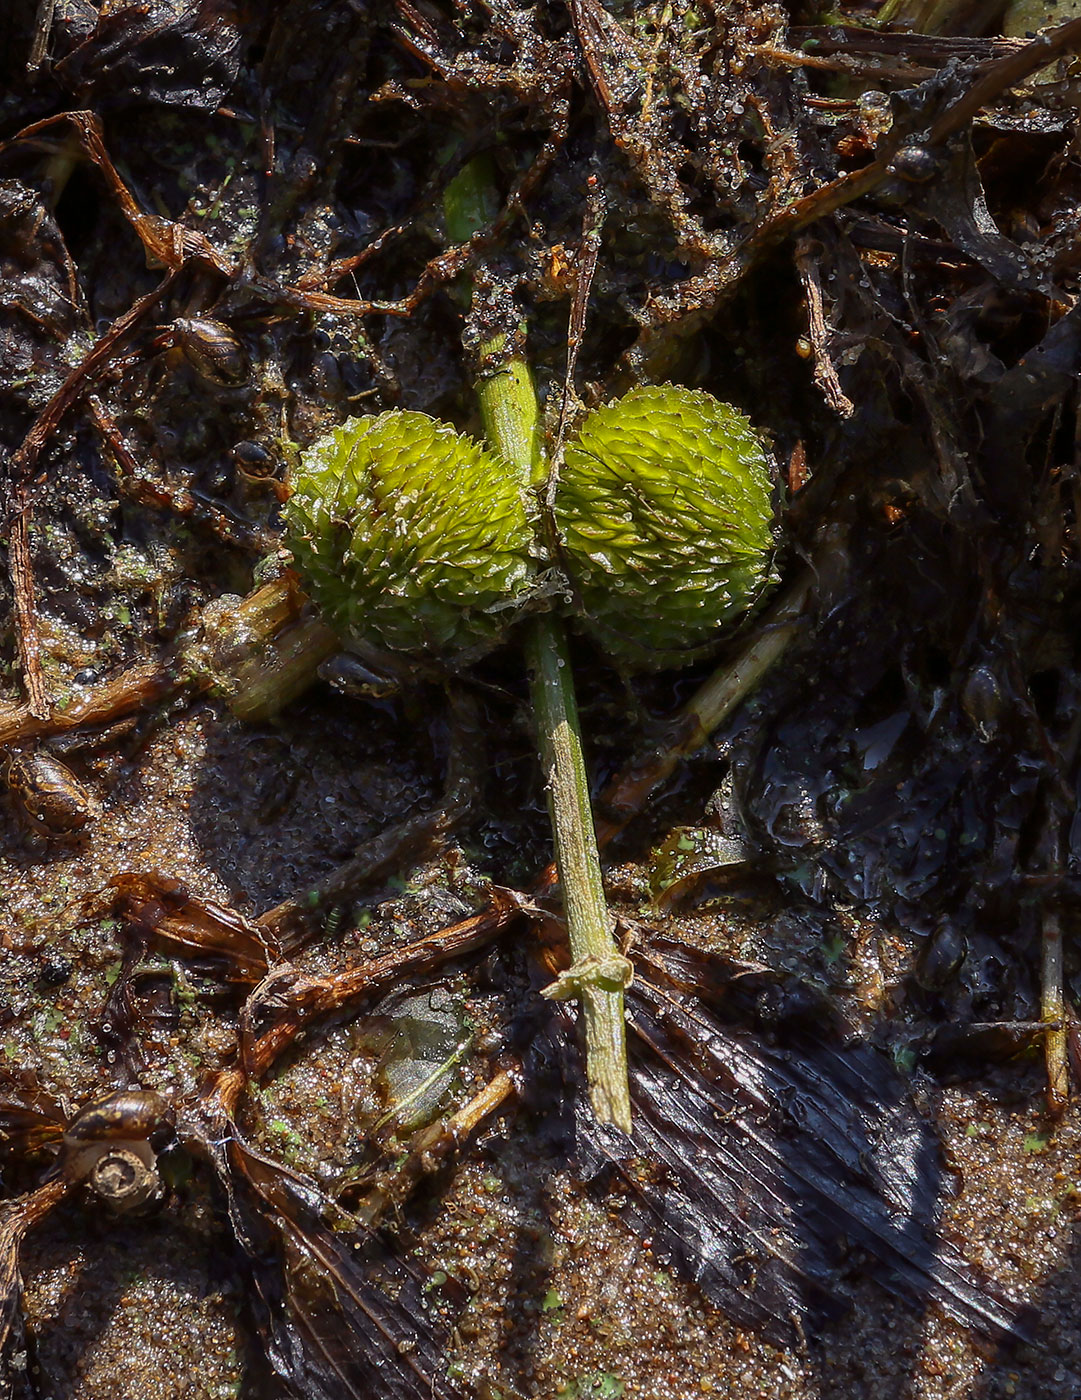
column 707, row 708
column 730, row 684
column 599, row 972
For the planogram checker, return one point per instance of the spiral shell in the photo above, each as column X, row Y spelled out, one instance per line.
column 125, row 1115
column 108, row 1146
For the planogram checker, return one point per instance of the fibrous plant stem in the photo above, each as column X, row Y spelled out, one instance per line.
column 600, row 971
column 707, row 709
column 1053, row 1015
column 508, row 406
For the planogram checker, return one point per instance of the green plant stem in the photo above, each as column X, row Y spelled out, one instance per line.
column 508, row 407
column 626, row 795
column 512, row 423
column 599, row 972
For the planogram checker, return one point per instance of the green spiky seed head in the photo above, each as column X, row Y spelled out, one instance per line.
column 409, row 534
column 663, row 509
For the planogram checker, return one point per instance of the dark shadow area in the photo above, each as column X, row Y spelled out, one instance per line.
column 97, row 1281
column 278, row 806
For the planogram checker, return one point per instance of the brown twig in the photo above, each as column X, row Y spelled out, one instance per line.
column 21, row 571
column 43, row 24
column 374, row 860
column 665, row 316
column 1004, row 73
column 167, row 243
column 433, row 1145
column 1053, row 1015
column 817, row 330
column 584, row 270
column 17, row 1217
column 290, row 1000
column 866, row 69
column 135, row 689
column 179, row 501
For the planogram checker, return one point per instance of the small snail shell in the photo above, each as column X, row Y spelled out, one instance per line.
column 127, row 1115
column 107, row 1145
column 917, row 164
column 256, row 466
column 942, row 956
column 123, row 1179
column 49, row 792
column 252, row 461
column 212, row 350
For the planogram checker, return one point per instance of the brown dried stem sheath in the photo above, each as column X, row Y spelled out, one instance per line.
column 1053, row 1015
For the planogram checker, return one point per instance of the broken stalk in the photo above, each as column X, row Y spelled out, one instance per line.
column 599, row 971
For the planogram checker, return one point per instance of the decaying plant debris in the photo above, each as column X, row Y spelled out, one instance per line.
column 288, row 967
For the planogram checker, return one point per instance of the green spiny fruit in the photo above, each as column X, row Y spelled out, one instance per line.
column 410, row 534
column 663, row 510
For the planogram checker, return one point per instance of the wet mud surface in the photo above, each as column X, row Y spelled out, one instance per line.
column 849, row 906
column 550, row 1290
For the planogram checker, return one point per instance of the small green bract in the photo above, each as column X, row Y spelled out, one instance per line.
column 408, row 533
column 663, row 508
